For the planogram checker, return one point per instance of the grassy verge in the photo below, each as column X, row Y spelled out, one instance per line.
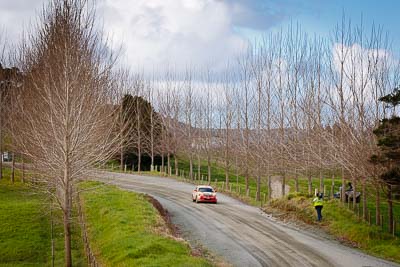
column 126, row 230
column 25, row 228
column 341, row 223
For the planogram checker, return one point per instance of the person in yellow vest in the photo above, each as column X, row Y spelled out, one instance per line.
column 318, row 205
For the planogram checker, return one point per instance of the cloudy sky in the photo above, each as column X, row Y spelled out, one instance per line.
column 154, row 33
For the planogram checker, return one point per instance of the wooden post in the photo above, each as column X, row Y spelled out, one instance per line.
column 125, row 168
column 240, row 190
column 248, row 192
column 324, row 191
column 315, row 191
column 230, row 187
column 265, row 198
column 112, row 166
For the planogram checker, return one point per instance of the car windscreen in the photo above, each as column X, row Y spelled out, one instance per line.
column 205, row 189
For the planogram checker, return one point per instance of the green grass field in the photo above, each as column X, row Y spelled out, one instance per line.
column 126, row 230
column 25, row 228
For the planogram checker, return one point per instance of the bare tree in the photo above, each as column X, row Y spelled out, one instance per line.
column 65, row 113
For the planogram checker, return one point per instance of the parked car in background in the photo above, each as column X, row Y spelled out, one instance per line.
column 6, row 157
column 204, row 193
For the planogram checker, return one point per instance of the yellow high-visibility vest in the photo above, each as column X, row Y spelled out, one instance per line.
column 318, row 202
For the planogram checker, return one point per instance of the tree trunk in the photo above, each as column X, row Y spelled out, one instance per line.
column 378, row 206
column 296, row 181
column 23, row 171
column 1, row 136
column 191, row 166
column 321, row 181
column 162, row 162
column 309, row 180
column 237, row 170
column 209, row 166
column 121, row 167
column 1, row 148
column 13, row 167
column 199, row 164
column 246, row 176
column 176, row 165
column 390, row 208
column 67, row 236
column 354, row 194
column 269, row 187
column 342, row 196
column 169, row 164
column 364, row 198
column 227, row 173
column 139, row 160
column 283, row 184
column 67, row 216
column 258, row 193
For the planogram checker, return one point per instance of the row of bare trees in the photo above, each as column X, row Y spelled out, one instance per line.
column 294, row 106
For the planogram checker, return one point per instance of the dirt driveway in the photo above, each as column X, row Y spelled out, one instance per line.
column 241, row 234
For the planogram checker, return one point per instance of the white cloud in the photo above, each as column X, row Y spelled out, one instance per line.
column 155, row 33
column 360, row 64
column 17, row 15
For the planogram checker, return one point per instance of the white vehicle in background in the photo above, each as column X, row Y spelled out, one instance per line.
column 204, row 193
column 6, row 157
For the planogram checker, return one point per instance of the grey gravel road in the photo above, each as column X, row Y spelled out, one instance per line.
column 242, row 235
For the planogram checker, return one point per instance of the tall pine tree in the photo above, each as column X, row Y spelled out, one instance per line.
column 388, row 156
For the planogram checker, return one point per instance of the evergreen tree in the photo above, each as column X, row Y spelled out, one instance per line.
column 388, row 156
column 136, row 119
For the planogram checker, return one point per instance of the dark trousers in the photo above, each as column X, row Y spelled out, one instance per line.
column 319, row 212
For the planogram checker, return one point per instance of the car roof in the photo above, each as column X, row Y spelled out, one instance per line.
column 204, row 186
